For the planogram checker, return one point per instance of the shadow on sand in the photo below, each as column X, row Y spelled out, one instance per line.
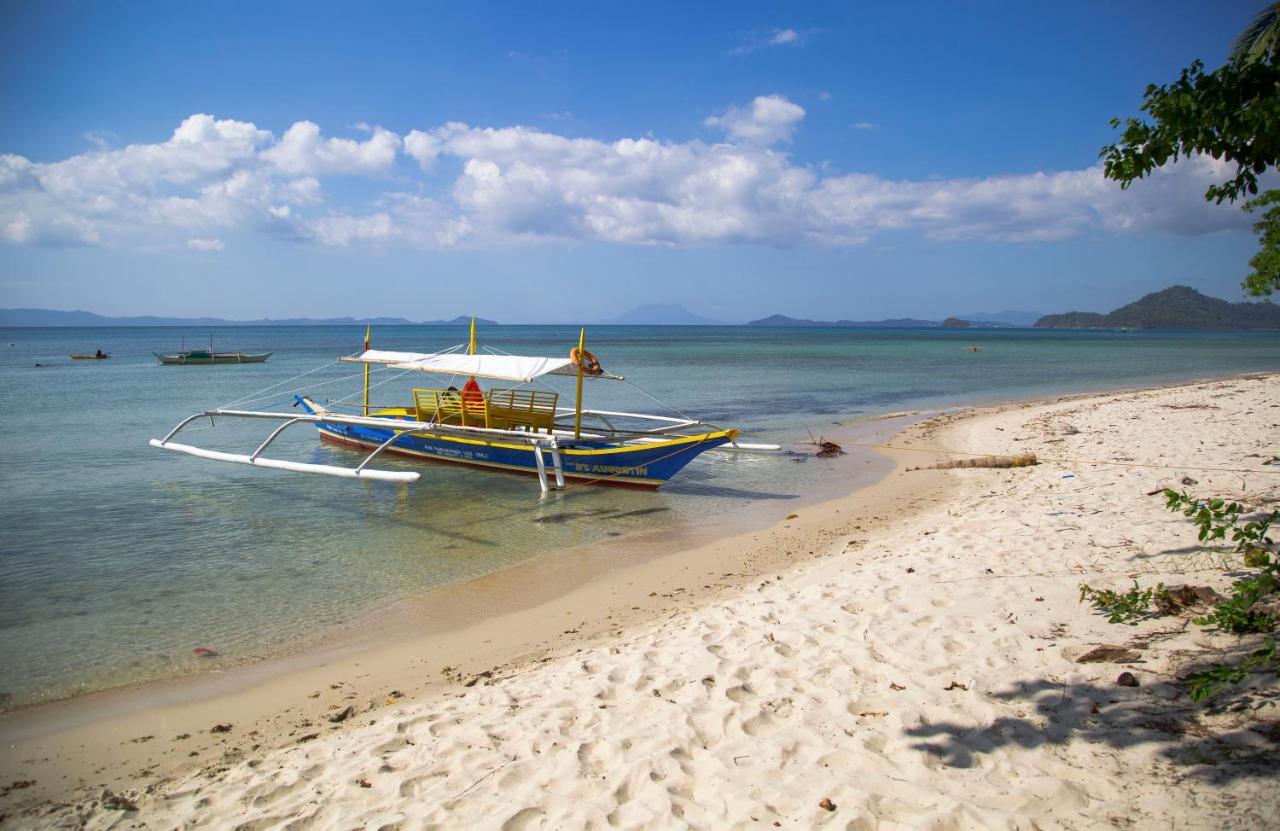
column 1242, row 740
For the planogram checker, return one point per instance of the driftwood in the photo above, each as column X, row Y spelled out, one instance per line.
column 1027, row 460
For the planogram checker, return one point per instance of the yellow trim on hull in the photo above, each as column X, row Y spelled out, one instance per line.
column 567, row 451
column 407, row 451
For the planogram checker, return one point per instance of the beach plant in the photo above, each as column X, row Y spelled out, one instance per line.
column 1207, row 683
column 1219, row 519
column 1124, row 607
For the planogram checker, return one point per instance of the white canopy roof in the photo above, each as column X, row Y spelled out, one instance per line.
column 502, row 367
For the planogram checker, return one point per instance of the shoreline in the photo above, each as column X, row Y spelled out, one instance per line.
column 47, row 740
column 609, row 608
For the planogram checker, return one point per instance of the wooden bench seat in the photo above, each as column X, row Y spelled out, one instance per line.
column 499, row 409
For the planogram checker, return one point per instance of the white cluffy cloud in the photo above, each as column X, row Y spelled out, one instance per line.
column 301, row 151
column 517, row 184
column 770, row 119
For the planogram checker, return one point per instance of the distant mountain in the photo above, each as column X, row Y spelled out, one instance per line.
column 895, row 323
column 52, row 317
column 1011, row 318
column 955, row 323
column 1177, row 307
column 661, row 314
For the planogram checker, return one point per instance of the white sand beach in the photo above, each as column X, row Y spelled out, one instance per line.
column 917, row 670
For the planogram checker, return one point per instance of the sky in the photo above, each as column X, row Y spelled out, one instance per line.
column 563, row 162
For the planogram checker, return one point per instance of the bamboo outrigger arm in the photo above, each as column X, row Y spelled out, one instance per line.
column 361, row 471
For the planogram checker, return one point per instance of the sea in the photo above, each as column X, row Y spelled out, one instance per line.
column 118, row 560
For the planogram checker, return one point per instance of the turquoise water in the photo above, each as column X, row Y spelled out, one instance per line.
column 117, row 560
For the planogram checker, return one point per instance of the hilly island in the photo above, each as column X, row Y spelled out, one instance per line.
column 1177, row 307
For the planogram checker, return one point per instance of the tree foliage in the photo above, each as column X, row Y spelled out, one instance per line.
column 1260, row 37
column 1265, row 277
column 1231, row 114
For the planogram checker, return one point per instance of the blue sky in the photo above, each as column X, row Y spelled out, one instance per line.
column 563, row 162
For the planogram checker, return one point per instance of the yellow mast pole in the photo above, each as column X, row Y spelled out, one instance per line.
column 366, row 372
column 577, row 406
column 471, row 350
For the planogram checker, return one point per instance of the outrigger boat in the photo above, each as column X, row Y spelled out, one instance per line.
column 205, row 357
column 510, row 427
column 198, row 357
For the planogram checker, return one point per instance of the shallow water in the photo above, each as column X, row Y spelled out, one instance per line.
column 117, row 560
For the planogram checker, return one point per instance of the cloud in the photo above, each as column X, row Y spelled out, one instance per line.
column 767, row 38
column 301, row 151
column 769, row 120
column 864, row 125
column 497, row 186
column 424, row 147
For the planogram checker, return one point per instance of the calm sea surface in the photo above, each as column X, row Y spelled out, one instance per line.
column 117, row 560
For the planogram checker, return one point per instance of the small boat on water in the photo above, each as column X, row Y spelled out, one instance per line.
column 204, row 357
column 98, row 356
column 508, row 427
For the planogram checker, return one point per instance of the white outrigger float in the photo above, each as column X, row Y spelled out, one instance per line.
column 511, row 428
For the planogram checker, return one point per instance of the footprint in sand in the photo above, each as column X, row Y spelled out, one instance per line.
column 522, row 819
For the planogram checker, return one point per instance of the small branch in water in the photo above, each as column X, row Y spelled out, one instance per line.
column 826, row 449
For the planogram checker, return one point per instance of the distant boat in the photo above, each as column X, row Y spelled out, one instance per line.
column 203, row 356
column 100, row 356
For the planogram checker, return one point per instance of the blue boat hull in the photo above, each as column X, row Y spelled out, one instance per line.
column 643, row 466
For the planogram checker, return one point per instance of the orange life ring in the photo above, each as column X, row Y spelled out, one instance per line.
column 584, row 360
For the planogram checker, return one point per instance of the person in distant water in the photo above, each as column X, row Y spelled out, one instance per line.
column 99, row 354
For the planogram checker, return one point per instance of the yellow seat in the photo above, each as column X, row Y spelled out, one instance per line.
column 512, row 409
column 446, row 407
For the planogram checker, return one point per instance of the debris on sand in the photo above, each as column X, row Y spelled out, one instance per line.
column 1127, row 679
column 1175, row 599
column 829, row 449
column 826, row 449
column 116, row 802
column 1109, row 653
column 1024, row 460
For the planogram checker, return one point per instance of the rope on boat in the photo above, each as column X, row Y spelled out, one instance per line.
column 658, row 400
column 258, row 396
column 372, row 387
column 302, row 388
column 400, row 374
